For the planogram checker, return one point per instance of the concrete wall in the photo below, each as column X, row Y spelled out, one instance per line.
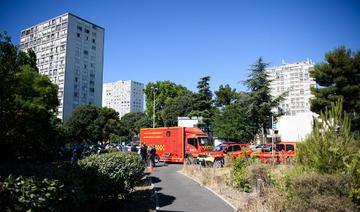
column 295, row 128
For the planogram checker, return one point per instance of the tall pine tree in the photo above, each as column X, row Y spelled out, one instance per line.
column 260, row 99
column 338, row 78
column 203, row 103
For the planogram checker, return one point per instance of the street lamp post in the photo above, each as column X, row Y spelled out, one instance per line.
column 272, row 139
column 154, row 93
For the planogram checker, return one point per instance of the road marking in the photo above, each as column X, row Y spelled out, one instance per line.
column 218, row 195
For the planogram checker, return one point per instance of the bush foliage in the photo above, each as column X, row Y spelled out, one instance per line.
column 318, row 192
column 240, row 174
column 19, row 193
column 84, row 185
column 115, row 173
column 332, row 148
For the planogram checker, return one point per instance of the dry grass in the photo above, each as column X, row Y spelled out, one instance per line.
column 220, row 180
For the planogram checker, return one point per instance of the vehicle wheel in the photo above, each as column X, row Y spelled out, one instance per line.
column 157, row 159
column 218, row 163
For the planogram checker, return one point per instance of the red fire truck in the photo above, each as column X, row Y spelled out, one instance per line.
column 175, row 144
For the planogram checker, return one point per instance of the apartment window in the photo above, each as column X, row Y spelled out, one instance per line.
column 93, row 47
column 86, row 52
column 92, row 90
column 78, row 35
column 87, row 31
column 93, row 40
column 79, row 28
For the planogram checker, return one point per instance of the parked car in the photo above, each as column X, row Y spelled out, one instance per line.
column 216, row 158
column 284, row 152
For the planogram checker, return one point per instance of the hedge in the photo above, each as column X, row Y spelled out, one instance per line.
column 86, row 184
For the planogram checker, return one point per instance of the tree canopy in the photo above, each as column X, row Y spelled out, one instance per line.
column 28, row 104
column 179, row 106
column 225, row 96
column 203, row 104
column 91, row 124
column 133, row 122
column 163, row 90
column 234, row 123
column 260, row 101
column 338, row 77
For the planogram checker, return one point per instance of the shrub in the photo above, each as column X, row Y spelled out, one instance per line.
column 86, row 185
column 113, row 173
column 331, row 144
column 332, row 148
column 19, row 193
column 240, row 178
column 319, row 192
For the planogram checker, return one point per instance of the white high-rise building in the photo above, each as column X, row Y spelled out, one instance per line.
column 293, row 78
column 70, row 51
column 124, row 96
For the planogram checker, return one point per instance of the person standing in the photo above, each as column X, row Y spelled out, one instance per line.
column 144, row 154
column 152, row 155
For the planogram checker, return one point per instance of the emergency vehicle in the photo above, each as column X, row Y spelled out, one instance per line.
column 176, row 144
column 284, row 152
column 216, row 158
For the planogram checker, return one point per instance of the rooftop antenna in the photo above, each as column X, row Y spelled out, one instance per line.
column 283, row 62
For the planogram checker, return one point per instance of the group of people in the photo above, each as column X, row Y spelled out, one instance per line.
column 148, row 156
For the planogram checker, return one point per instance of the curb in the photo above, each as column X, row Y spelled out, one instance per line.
column 157, row 207
column 218, row 195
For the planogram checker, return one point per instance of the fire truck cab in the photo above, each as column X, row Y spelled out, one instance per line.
column 176, row 144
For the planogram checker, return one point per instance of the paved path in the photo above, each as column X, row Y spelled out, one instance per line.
column 176, row 192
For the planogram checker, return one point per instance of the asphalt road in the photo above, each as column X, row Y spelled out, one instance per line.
column 177, row 192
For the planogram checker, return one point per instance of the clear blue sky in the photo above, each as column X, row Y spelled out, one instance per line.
column 183, row 40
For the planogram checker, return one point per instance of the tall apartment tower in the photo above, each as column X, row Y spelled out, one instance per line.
column 70, row 51
column 294, row 79
column 124, row 96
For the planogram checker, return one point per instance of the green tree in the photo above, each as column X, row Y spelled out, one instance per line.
column 234, row 123
column 28, row 105
column 81, row 127
column 179, row 106
column 109, row 124
column 338, row 78
column 91, row 124
column 225, row 96
column 203, row 104
column 163, row 91
column 133, row 122
column 9, row 69
column 260, row 99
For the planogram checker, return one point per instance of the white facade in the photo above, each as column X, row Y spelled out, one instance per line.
column 188, row 122
column 294, row 79
column 295, row 128
column 124, row 96
column 70, row 52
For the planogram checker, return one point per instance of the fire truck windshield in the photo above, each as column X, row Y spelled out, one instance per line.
column 204, row 142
